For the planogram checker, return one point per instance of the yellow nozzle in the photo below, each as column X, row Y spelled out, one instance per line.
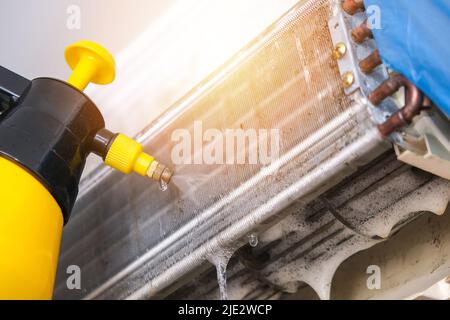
column 127, row 155
column 90, row 62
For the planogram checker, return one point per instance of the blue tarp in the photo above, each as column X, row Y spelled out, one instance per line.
column 414, row 39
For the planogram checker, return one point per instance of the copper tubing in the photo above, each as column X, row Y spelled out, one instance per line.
column 387, row 88
column 352, row 6
column 371, row 62
column 414, row 103
column 362, row 32
column 427, row 103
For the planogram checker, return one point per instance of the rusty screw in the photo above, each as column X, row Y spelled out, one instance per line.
column 352, row 6
column 340, row 50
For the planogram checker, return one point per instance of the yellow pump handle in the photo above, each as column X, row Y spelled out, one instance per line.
column 90, row 62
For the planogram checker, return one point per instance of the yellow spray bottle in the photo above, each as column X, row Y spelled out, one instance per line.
column 45, row 137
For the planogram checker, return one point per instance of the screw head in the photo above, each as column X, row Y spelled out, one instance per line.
column 348, row 79
column 340, row 50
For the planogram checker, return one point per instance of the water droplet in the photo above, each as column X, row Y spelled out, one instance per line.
column 163, row 185
column 253, row 240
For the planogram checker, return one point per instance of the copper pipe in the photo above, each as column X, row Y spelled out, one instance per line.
column 371, row 62
column 386, row 89
column 414, row 103
column 352, row 6
column 427, row 103
column 362, row 32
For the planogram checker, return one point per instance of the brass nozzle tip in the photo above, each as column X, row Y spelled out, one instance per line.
column 166, row 175
column 160, row 173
